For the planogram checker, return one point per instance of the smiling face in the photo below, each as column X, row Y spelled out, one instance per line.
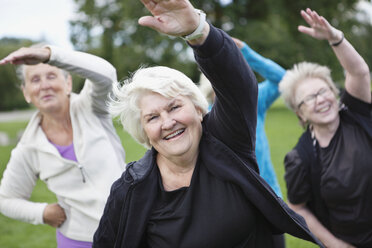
column 317, row 103
column 173, row 126
column 46, row 87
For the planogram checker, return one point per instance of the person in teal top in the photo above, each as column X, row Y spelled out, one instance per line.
column 268, row 92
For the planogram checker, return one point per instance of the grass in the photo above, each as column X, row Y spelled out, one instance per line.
column 282, row 130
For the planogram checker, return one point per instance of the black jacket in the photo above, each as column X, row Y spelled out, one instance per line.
column 226, row 147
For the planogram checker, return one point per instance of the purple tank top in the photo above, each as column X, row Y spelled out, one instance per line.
column 68, row 152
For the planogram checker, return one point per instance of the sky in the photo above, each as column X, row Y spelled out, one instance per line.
column 47, row 20
column 37, row 20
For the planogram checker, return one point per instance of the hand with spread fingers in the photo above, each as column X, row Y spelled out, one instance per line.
column 28, row 56
column 319, row 27
column 173, row 17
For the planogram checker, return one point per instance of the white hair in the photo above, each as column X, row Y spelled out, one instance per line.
column 124, row 102
column 301, row 71
column 206, row 88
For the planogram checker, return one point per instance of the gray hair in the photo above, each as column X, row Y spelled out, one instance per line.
column 301, row 71
column 20, row 69
column 170, row 83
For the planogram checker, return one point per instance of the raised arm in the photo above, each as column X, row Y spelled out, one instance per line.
column 175, row 18
column 357, row 81
column 272, row 73
column 267, row 68
column 223, row 64
column 96, row 70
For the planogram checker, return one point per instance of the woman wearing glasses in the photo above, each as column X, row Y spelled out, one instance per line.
column 328, row 173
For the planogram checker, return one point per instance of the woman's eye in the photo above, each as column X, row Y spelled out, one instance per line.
column 152, row 118
column 52, row 76
column 175, row 107
column 35, row 79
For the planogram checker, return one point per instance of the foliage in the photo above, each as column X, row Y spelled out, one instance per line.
column 110, row 29
column 11, row 96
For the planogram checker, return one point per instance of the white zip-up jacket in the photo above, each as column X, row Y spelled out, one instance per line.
column 81, row 188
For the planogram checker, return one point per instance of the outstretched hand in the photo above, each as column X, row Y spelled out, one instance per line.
column 319, row 27
column 28, row 56
column 171, row 17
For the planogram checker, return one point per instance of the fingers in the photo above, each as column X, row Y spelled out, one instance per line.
column 11, row 59
column 311, row 17
column 149, row 21
column 54, row 215
column 306, row 30
column 238, row 42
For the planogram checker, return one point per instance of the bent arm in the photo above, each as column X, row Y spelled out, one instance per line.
column 357, row 81
column 321, row 232
column 16, row 187
column 267, row 68
column 99, row 73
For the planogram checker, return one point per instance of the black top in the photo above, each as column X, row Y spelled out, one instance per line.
column 346, row 178
column 209, row 213
column 226, row 148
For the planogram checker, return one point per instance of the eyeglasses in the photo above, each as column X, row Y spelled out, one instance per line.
column 310, row 99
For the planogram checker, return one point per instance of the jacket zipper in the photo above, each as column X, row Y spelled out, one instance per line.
column 81, row 168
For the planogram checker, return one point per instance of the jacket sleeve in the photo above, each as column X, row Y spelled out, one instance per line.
column 273, row 73
column 106, row 235
column 297, row 177
column 18, row 181
column 99, row 74
column 233, row 117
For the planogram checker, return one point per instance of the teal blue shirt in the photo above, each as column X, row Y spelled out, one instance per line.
column 268, row 92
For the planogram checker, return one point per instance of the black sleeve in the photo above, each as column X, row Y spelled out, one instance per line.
column 233, row 117
column 356, row 105
column 297, row 177
column 106, row 234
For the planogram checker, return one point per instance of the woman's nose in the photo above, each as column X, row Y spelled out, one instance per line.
column 44, row 84
column 168, row 123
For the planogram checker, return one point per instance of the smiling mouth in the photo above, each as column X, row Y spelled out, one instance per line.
column 174, row 134
column 324, row 109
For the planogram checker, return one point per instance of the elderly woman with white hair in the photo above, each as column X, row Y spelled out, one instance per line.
column 328, row 173
column 198, row 185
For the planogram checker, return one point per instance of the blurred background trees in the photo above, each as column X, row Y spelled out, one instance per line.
column 109, row 29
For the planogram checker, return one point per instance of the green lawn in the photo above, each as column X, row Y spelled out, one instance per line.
column 282, row 130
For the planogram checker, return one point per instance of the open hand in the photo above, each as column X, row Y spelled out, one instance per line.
column 319, row 27
column 171, row 17
column 28, row 56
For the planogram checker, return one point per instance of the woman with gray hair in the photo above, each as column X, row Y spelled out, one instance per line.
column 198, row 185
column 328, row 173
column 70, row 144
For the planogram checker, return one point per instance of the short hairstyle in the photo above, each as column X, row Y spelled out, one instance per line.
column 124, row 101
column 206, row 88
column 20, row 69
column 299, row 73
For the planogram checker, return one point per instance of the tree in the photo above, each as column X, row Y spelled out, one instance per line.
column 11, row 96
column 110, row 29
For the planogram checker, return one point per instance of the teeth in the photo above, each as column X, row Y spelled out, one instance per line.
column 174, row 134
column 324, row 109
